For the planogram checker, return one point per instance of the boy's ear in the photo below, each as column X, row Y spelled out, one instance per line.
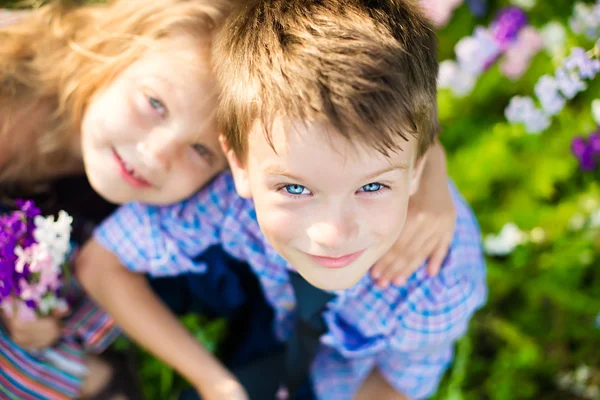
column 418, row 173
column 240, row 175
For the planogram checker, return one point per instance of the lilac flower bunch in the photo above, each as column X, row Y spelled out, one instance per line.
column 586, row 20
column 33, row 255
column 553, row 92
column 475, row 54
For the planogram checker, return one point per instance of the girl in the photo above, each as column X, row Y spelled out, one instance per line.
column 124, row 93
column 79, row 88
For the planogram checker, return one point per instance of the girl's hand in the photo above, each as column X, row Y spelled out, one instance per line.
column 34, row 335
column 428, row 230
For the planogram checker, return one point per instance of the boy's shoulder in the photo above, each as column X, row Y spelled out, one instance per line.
column 216, row 202
column 424, row 312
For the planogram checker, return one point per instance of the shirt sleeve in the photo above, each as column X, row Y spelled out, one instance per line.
column 95, row 329
column 87, row 323
column 436, row 315
column 166, row 240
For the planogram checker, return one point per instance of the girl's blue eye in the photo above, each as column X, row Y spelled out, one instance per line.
column 201, row 150
column 296, row 189
column 157, row 105
column 372, row 187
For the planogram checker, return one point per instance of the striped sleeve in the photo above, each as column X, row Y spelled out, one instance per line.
column 88, row 323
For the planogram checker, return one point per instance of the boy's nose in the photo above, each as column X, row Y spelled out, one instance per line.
column 334, row 234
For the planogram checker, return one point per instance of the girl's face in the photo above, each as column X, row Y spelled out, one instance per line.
column 151, row 134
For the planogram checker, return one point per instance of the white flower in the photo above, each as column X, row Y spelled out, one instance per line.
column 46, row 304
column 522, row 109
column 518, row 107
column 54, row 235
column 586, row 20
column 554, row 36
column 506, row 241
column 565, row 381
column 595, row 219
column 473, row 53
column 452, row 77
column 569, row 83
column 596, row 110
column 546, row 90
column 582, row 374
column 35, row 256
column 577, row 221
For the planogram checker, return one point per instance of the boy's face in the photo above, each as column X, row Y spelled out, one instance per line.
column 151, row 134
column 329, row 209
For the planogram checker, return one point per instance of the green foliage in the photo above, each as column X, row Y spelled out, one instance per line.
column 543, row 298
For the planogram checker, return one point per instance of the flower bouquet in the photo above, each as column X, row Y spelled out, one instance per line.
column 33, row 255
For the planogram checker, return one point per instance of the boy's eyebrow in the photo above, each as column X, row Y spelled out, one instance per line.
column 401, row 167
column 277, row 170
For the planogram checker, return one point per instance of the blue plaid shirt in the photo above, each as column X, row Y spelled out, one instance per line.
column 407, row 333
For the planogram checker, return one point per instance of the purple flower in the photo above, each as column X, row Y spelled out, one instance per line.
column 579, row 61
column 523, row 110
column 587, row 151
column 16, row 229
column 594, row 143
column 507, row 25
column 569, row 83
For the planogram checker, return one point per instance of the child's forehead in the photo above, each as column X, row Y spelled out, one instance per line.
column 316, row 153
column 286, row 135
column 178, row 48
column 174, row 58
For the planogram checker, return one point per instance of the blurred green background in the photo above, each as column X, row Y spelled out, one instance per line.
column 539, row 335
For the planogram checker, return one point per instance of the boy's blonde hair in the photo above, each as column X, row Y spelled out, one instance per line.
column 366, row 67
column 59, row 56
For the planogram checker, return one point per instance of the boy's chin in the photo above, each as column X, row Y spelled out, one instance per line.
column 331, row 279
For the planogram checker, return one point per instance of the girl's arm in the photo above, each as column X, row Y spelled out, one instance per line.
column 429, row 226
column 129, row 299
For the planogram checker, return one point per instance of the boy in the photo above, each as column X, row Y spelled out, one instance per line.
column 328, row 109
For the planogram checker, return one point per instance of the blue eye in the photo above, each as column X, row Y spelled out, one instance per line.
column 296, row 190
column 372, row 187
column 201, row 150
column 157, row 105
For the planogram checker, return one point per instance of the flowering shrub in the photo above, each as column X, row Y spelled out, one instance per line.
column 524, row 153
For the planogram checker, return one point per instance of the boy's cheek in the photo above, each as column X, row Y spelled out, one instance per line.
column 279, row 227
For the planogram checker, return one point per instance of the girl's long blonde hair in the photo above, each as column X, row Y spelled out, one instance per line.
column 59, row 56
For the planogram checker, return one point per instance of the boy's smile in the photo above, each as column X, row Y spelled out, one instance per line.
column 336, row 262
column 329, row 208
